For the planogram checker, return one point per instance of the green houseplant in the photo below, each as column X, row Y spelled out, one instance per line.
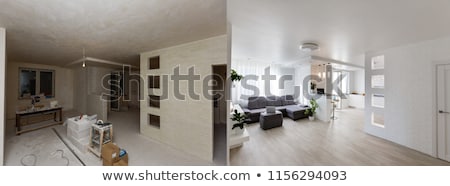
column 312, row 109
column 235, row 76
column 240, row 119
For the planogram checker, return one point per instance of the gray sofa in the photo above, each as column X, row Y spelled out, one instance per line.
column 284, row 104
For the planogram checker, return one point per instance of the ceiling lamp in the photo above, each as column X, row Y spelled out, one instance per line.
column 84, row 58
column 93, row 61
column 309, row 47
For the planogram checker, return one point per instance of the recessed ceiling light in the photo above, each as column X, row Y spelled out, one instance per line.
column 309, row 47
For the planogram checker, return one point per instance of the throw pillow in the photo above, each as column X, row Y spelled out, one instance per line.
column 288, row 100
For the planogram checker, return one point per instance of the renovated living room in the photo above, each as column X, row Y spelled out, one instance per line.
column 333, row 59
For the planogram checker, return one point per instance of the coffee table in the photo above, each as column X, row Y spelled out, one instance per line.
column 270, row 120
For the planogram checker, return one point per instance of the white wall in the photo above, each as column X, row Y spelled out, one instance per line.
column 351, row 80
column 357, row 85
column 359, row 60
column 301, row 73
column 409, row 107
column 2, row 93
column 96, row 79
column 97, row 105
column 288, row 84
column 185, row 125
column 357, row 78
column 80, row 89
column 358, row 81
column 63, row 86
column 87, row 86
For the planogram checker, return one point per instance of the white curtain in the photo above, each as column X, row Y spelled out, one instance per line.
column 249, row 68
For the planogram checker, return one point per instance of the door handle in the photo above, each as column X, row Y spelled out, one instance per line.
column 443, row 112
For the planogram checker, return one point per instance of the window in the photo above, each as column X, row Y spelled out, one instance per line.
column 377, row 62
column 154, row 120
column 153, row 82
column 154, row 101
column 378, row 100
column 377, row 120
column 378, row 81
column 36, row 81
column 153, row 63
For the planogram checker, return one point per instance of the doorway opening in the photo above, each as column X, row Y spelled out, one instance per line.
column 219, row 104
column 443, row 111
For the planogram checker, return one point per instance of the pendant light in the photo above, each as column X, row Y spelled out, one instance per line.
column 84, row 58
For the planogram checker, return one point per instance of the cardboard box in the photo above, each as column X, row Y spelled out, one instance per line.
column 120, row 163
column 107, row 163
column 110, row 155
column 110, row 152
column 123, row 161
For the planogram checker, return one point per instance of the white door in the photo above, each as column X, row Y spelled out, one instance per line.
column 443, row 102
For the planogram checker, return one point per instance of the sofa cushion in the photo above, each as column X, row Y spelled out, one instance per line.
column 296, row 112
column 257, row 111
column 293, row 108
column 288, row 100
column 274, row 101
column 283, row 108
column 257, row 102
column 253, row 103
column 246, row 110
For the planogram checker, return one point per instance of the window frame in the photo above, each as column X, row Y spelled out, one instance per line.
column 38, row 82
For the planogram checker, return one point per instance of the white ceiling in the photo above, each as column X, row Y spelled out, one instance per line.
column 272, row 30
column 55, row 31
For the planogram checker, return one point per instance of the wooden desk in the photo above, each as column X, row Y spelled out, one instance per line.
column 27, row 114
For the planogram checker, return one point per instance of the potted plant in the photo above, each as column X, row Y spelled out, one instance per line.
column 238, row 117
column 312, row 109
column 235, row 76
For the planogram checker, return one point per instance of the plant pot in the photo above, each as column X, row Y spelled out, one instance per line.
column 311, row 118
column 238, row 130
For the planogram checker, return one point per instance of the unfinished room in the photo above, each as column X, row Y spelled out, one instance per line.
column 77, row 76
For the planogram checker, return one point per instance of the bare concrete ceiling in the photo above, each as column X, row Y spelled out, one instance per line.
column 272, row 31
column 55, row 32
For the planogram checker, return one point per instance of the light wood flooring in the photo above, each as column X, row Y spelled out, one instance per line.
column 342, row 142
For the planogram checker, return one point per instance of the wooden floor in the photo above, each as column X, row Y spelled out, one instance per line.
column 342, row 142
